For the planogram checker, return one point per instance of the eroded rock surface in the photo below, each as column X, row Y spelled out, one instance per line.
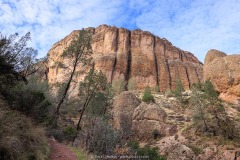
column 147, row 119
column 224, row 72
column 124, row 105
column 180, row 152
column 135, row 55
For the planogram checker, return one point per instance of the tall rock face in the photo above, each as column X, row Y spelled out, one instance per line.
column 224, row 72
column 137, row 56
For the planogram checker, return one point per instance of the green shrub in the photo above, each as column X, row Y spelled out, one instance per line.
column 132, row 84
column 210, row 91
column 19, row 138
column 69, row 133
column 147, row 95
column 57, row 133
column 98, row 105
column 81, row 154
column 156, row 88
column 30, row 99
column 152, row 153
column 168, row 93
column 197, row 86
column 102, row 138
column 179, row 88
column 118, row 86
column 133, row 145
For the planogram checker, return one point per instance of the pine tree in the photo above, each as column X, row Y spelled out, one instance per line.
column 147, row 95
column 79, row 52
column 179, row 89
column 93, row 87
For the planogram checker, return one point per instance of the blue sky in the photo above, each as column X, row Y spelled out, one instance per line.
column 195, row 26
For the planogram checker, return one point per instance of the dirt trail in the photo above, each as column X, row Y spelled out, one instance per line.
column 60, row 151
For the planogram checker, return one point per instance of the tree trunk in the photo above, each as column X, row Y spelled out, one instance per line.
column 84, row 107
column 204, row 120
column 66, row 89
column 80, row 118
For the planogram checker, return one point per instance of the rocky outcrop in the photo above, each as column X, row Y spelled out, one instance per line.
column 141, row 120
column 180, row 152
column 124, row 105
column 135, row 55
column 147, row 119
column 224, row 72
column 213, row 54
column 41, row 69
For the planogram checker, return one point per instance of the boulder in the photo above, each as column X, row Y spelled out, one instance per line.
column 179, row 151
column 124, row 106
column 224, row 73
column 213, row 54
column 147, row 119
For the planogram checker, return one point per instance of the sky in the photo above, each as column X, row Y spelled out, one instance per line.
column 192, row 25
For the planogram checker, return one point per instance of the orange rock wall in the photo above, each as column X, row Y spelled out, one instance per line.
column 135, row 55
column 223, row 71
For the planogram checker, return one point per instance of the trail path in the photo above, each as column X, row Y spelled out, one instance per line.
column 60, row 151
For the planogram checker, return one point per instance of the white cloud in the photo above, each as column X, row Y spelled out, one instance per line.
column 196, row 26
column 51, row 20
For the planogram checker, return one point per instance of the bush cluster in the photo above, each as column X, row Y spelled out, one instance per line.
column 19, row 138
column 209, row 114
column 147, row 95
column 99, row 137
column 152, row 153
column 118, row 86
column 30, row 99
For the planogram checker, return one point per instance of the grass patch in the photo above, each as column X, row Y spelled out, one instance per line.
column 81, row 155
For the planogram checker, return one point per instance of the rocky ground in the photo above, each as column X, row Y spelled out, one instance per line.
column 185, row 144
column 177, row 138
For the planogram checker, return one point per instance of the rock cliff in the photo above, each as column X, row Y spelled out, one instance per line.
column 223, row 71
column 136, row 56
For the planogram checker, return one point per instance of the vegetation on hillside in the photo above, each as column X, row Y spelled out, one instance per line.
column 85, row 120
column 118, row 85
column 30, row 99
column 178, row 90
column 96, row 95
column 209, row 113
column 19, row 137
column 147, row 95
column 78, row 53
column 91, row 107
column 16, row 60
column 146, row 152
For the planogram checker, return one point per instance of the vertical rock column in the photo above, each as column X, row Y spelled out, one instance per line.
column 122, row 53
column 143, row 59
column 105, row 41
